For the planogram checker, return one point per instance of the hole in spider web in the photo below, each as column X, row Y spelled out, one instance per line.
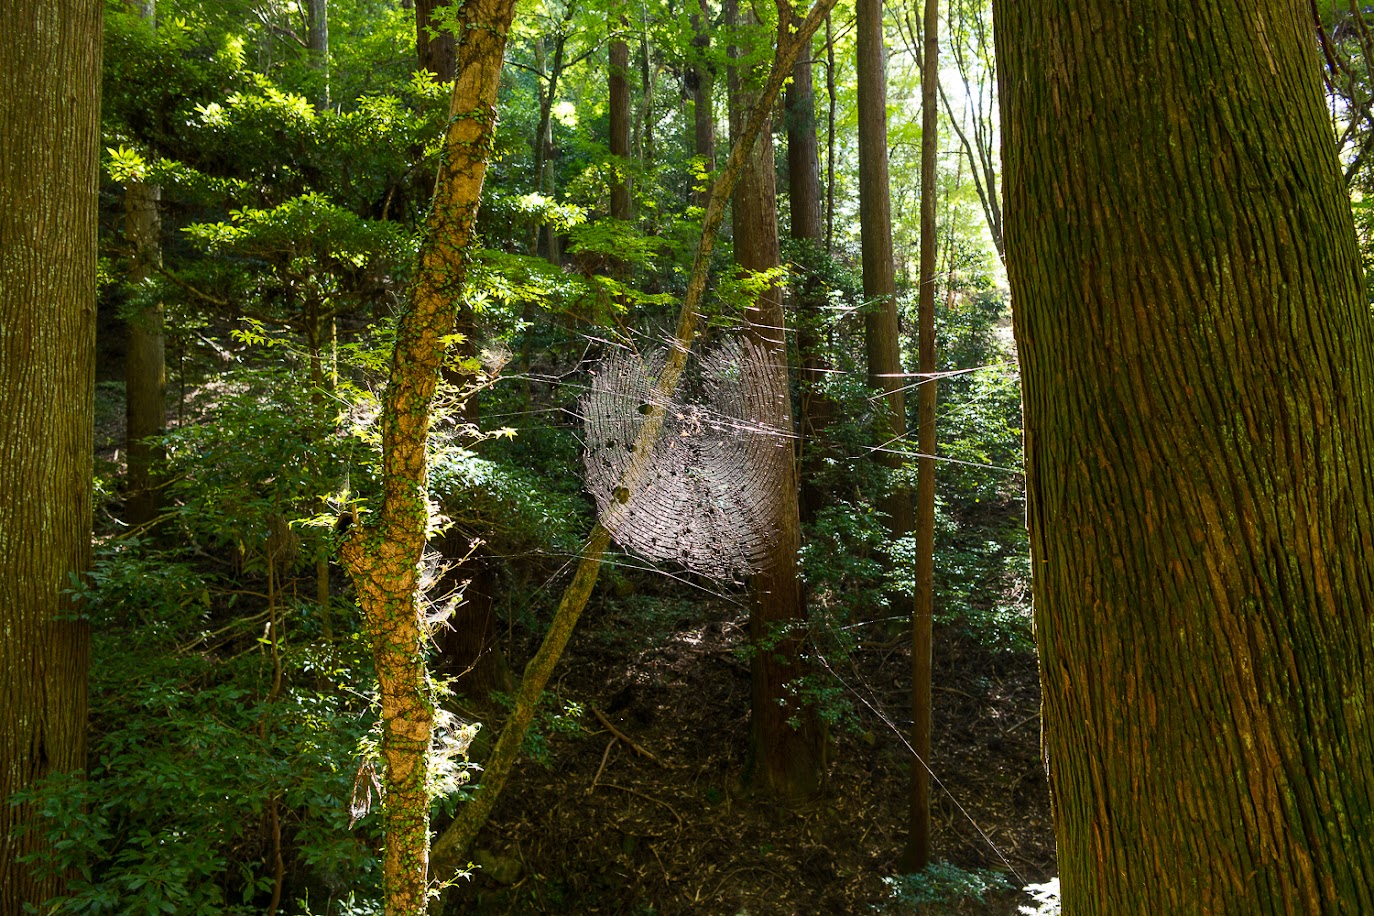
column 711, row 491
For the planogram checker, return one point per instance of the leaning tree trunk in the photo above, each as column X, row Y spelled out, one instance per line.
column 49, row 141
column 383, row 556
column 785, row 737
column 1198, row 369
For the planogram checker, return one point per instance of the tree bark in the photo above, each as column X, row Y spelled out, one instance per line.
column 882, row 334
column 49, row 142
column 804, row 200
column 830, row 97
column 785, row 737
column 1197, row 361
column 145, row 368
column 145, row 364
column 620, row 120
column 917, row 853
column 317, row 40
column 383, row 555
column 436, row 52
column 703, row 80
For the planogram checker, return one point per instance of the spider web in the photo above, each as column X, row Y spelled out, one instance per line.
column 711, row 496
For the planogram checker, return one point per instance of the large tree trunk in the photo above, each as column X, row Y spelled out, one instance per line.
column 383, row 556
column 1198, row 370
column 49, row 141
column 881, row 331
column 784, row 760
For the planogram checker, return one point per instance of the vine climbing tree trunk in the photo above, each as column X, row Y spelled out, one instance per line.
column 455, row 841
column 383, row 554
column 1197, row 358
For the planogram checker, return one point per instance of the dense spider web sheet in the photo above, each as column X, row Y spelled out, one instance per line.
column 710, row 497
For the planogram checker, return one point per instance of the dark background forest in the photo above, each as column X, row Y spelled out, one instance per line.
column 266, row 172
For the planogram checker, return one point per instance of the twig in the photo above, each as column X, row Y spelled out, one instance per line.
column 605, row 756
column 622, row 736
column 657, row 801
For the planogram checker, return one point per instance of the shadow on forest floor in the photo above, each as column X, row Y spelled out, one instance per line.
column 602, row 828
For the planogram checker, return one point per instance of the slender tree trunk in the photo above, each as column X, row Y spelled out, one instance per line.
column 829, row 137
column 49, row 142
column 383, row 555
column 145, row 369
column 785, row 759
column 804, row 198
column 453, row 845
column 703, row 110
column 317, row 38
column 917, row 853
column 545, row 153
column 882, row 335
column 434, row 46
column 644, row 118
column 620, row 120
column 1197, row 359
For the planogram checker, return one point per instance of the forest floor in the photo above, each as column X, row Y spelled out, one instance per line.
column 663, row 825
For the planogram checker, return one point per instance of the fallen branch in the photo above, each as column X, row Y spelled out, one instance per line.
column 621, row 735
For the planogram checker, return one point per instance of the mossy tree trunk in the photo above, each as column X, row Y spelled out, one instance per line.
column 1198, row 369
column 49, row 136
column 383, row 554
